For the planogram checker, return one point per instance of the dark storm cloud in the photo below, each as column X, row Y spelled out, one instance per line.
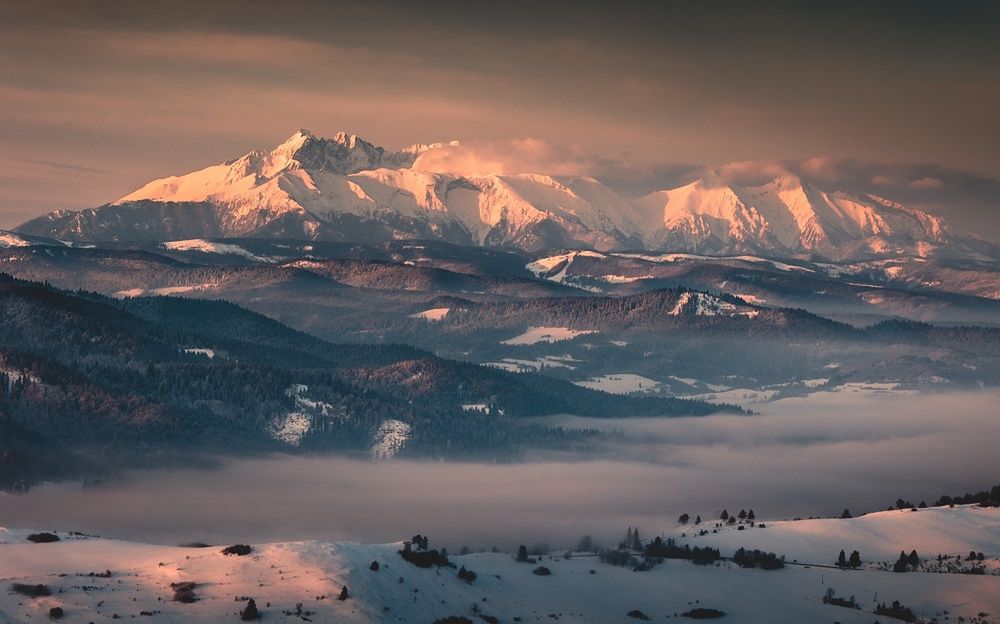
column 150, row 89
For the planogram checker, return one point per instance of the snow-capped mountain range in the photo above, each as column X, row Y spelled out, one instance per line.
column 347, row 189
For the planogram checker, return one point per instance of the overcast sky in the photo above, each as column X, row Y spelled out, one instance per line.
column 97, row 98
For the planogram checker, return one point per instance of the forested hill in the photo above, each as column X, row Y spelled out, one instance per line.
column 88, row 383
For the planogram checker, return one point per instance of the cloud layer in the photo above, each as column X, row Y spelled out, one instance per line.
column 800, row 457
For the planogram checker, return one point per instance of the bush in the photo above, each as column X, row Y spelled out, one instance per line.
column 184, row 592
column 702, row 613
column 541, row 571
column 830, row 598
column 43, row 538
column 467, row 575
column 424, row 558
column 896, row 610
column 56, row 613
column 31, row 591
column 617, row 558
column 240, row 550
column 250, row 614
column 670, row 550
column 453, row 619
column 374, row 567
column 758, row 559
column 637, row 614
column 422, row 542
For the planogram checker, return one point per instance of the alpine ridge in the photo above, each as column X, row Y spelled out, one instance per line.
column 345, row 188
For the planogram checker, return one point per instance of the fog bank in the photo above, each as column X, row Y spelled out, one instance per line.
column 811, row 456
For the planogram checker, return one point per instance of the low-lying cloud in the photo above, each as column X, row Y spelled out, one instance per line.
column 800, row 457
column 513, row 156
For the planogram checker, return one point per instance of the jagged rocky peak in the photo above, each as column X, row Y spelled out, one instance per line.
column 342, row 154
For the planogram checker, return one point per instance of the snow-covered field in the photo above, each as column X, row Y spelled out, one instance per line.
column 739, row 396
column 433, row 314
column 204, row 246
column 209, row 353
column 307, row 577
column 878, row 536
column 518, row 365
column 621, row 383
column 9, row 239
column 166, row 291
column 535, row 335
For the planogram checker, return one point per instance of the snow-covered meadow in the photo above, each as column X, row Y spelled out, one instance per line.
column 301, row 581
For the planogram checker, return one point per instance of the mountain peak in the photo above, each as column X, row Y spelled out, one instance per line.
column 302, row 137
column 311, row 186
column 348, row 140
column 341, row 154
column 295, row 141
column 283, row 155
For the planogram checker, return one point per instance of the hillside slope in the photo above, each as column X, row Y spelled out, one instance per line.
column 307, row 578
column 89, row 383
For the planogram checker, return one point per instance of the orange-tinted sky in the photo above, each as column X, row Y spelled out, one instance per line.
column 97, row 98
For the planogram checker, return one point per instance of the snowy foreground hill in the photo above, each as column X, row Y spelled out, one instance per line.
column 302, row 581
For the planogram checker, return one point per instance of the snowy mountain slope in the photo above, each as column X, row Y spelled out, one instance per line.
column 10, row 239
column 345, row 188
column 878, row 536
column 785, row 216
column 307, row 184
column 282, row 576
column 13, row 239
column 860, row 292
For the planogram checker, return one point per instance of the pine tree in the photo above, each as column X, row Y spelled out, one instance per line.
column 842, row 560
column 724, row 516
column 855, row 560
column 846, row 514
column 697, row 520
column 522, row 553
column 901, row 564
